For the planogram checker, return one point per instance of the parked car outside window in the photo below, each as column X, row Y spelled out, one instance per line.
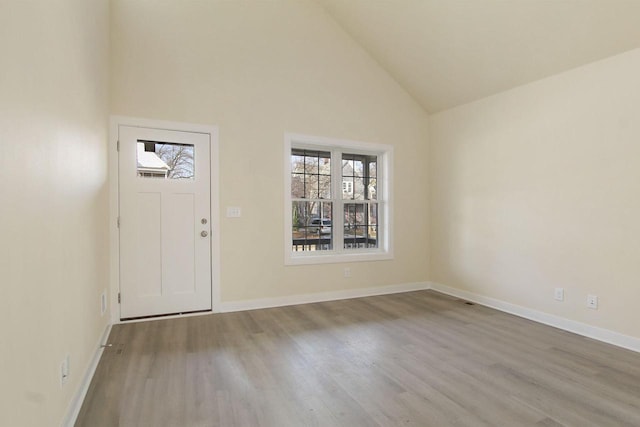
column 323, row 226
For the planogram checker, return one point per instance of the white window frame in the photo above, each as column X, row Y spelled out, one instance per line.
column 338, row 254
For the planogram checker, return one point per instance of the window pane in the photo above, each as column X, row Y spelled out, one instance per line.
column 353, row 214
column 373, row 236
column 371, row 178
column 311, row 163
column 324, row 186
column 347, row 166
column 360, row 231
column 358, row 190
column 347, row 177
column 324, row 167
column 297, row 185
column 347, row 188
column 297, row 163
column 372, row 189
column 358, row 166
column 311, row 226
column 310, row 186
column 359, row 177
column 373, row 214
column 165, row 160
column 310, row 174
column 372, row 225
column 360, row 225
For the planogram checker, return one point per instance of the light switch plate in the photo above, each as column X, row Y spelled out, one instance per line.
column 234, row 212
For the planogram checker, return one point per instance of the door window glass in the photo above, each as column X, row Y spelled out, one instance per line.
column 165, row 160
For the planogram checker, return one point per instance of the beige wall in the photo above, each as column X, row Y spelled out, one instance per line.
column 539, row 187
column 257, row 70
column 53, row 251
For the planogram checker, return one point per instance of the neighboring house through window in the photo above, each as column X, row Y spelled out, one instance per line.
column 165, row 160
column 347, row 188
column 337, row 200
column 149, row 164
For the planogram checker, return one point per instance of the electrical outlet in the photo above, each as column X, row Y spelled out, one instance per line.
column 64, row 371
column 103, row 303
column 558, row 294
column 592, row 301
column 347, row 272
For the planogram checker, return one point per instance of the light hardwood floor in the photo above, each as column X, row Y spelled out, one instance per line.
column 413, row 359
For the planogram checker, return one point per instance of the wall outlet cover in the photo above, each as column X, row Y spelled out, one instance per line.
column 558, row 294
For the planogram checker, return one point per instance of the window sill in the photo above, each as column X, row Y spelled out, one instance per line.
column 336, row 258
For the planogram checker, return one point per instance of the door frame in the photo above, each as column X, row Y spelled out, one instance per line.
column 114, row 205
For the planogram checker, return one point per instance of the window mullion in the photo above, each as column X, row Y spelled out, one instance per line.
column 381, row 200
column 338, row 207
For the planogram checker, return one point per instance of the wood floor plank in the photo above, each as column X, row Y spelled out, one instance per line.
column 414, row 359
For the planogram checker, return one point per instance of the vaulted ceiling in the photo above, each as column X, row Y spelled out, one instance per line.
column 450, row 52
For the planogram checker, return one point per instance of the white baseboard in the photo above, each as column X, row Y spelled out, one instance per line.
column 78, row 398
column 600, row 334
column 226, row 307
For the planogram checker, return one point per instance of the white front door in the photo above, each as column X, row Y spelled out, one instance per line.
column 165, row 221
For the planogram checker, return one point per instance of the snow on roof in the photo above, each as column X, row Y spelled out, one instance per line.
column 150, row 160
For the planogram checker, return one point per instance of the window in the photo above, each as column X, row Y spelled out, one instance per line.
column 165, row 160
column 337, row 200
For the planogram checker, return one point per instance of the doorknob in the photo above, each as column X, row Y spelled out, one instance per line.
column 204, row 234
